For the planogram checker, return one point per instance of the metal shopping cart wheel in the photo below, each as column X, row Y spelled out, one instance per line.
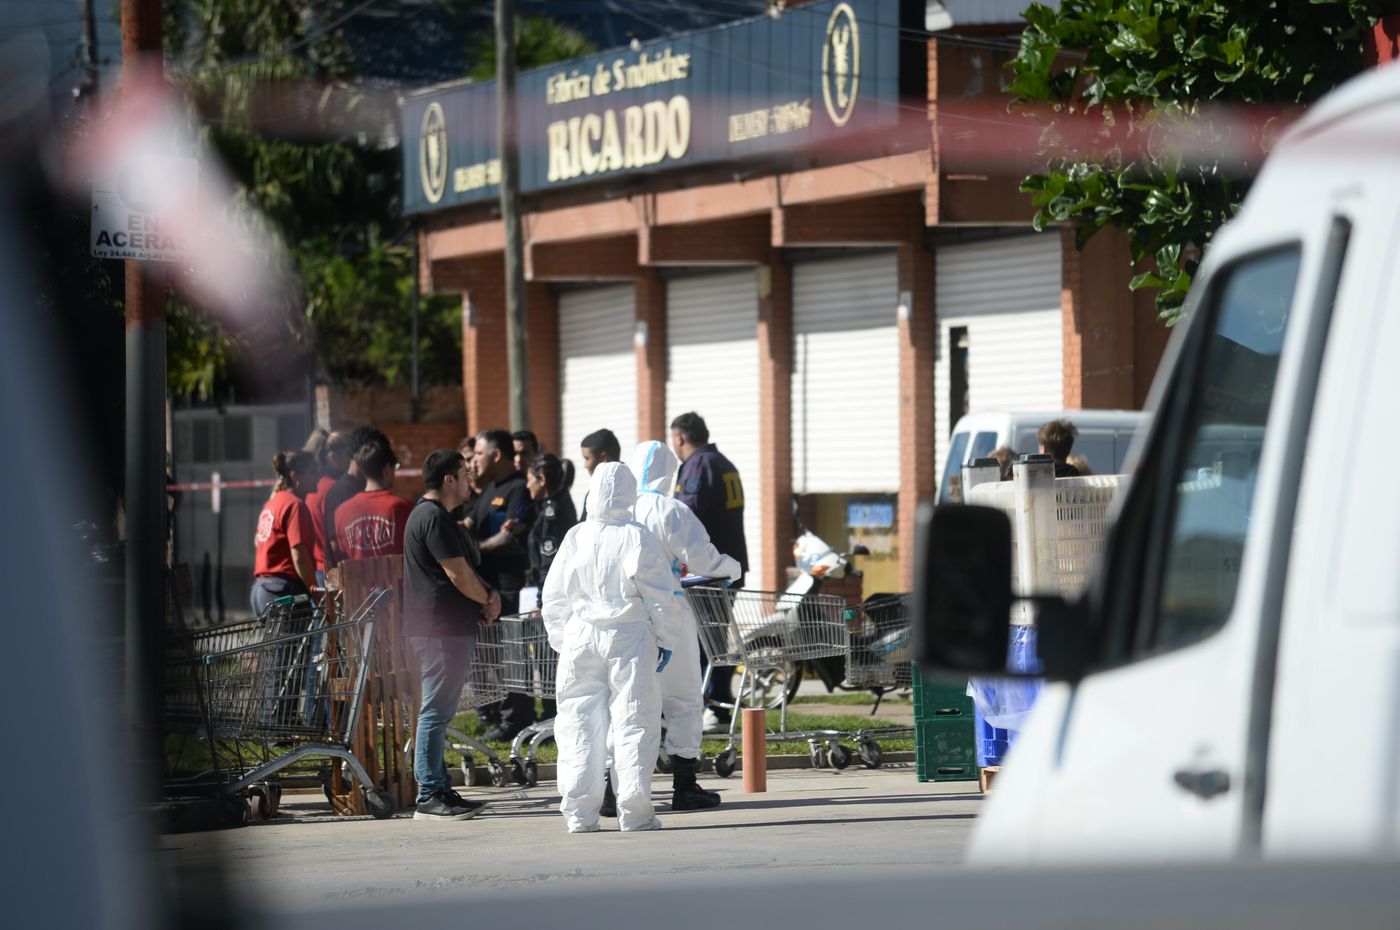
column 236, row 810
column 839, row 756
column 726, row 762
column 379, row 803
column 869, row 754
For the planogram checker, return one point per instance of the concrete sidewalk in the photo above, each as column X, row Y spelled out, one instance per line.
column 812, row 821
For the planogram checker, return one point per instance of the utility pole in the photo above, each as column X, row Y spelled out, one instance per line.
column 89, row 86
column 508, row 139
column 145, row 449
column 415, row 397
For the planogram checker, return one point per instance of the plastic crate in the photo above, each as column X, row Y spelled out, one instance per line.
column 935, row 698
column 992, row 742
column 945, row 749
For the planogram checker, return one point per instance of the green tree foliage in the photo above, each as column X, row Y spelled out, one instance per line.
column 274, row 89
column 1158, row 62
column 538, row 41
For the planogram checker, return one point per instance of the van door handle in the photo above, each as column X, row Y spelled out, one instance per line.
column 1205, row 785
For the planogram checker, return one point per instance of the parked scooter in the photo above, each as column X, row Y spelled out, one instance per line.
column 818, row 564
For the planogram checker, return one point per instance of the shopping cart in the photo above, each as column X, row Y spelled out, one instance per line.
column 530, row 667
column 880, row 659
column 269, row 694
column 759, row 631
column 485, row 686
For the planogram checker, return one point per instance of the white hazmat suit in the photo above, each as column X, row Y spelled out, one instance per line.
column 609, row 601
column 688, row 544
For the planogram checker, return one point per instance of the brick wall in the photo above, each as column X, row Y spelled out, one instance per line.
column 347, row 408
column 651, row 358
column 1113, row 339
column 775, row 417
column 917, row 417
column 412, row 442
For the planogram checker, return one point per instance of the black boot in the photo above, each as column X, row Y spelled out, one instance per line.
column 688, row 795
column 609, row 808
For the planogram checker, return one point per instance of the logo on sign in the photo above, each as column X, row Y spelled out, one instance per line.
column 841, row 64
column 432, row 153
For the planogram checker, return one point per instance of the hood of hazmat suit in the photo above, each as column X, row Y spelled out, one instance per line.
column 679, row 529
column 655, row 467
column 610, row 570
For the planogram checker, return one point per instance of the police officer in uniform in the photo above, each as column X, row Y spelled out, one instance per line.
column 547, row 481
column 708, row 483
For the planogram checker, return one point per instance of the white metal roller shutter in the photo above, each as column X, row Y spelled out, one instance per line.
column 712, row 369
column 597, row 369
column 1006, row 293
column 845, row 379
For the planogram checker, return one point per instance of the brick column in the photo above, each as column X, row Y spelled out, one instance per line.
column 542, row 312
column 775, row 418
column 484, row 367
column 651, row 358
column 1108, row 363
column 917, row 418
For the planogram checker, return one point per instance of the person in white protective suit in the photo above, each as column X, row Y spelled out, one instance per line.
column 688, row 544
column 614, row 613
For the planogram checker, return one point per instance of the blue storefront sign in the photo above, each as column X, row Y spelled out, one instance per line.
column 823, row 73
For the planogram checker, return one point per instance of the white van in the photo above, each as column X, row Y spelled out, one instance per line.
column 1104, row 438
column 1230, row 682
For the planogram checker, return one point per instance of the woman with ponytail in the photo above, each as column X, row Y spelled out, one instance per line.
column 285, row 535
column 547, row 481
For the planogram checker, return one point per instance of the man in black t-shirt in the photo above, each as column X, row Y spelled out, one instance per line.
column 443, row 601
column 500, row 523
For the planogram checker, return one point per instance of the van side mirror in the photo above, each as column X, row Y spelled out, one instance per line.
column 962, row 590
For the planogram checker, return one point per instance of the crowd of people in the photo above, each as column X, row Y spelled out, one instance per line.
column 495, row 532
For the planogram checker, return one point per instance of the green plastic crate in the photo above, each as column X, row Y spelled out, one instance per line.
column 935, row 698
column 945, row 730
column 945, row 749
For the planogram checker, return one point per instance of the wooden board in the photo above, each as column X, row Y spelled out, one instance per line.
column 391, row 702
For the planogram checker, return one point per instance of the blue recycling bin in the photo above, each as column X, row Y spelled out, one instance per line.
column 1002, row 704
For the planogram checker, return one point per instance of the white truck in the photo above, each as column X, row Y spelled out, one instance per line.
column 1229, row 684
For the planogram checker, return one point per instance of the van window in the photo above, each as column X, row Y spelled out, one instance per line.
column 983, row 445
column 1217, row 462
column 952, row 467
column 1097, row 448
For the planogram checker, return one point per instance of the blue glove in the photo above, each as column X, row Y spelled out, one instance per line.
column 664, row 655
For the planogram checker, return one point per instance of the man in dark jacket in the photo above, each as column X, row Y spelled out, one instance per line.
column 709, row 484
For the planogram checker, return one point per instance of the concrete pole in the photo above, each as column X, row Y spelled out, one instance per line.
column 508, row 139
column 145, row 452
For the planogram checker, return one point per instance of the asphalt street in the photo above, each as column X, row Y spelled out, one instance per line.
column 810, row 823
